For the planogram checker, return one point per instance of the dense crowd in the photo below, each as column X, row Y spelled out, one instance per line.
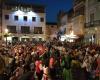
column 50, row 60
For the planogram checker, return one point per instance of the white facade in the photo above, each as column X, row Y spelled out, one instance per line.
column 21, row 22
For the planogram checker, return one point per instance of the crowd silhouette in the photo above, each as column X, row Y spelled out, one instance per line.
column 52, row 60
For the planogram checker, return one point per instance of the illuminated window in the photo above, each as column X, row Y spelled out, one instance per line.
column 33, row 18
column 16, row 18
column 25, row 18
column 38, row 30
column 7, row 17
column 42, row 19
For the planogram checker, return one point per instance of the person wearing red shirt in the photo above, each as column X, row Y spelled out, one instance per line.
column 39, row 69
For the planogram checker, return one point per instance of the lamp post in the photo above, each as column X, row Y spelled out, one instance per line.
column 6, row 35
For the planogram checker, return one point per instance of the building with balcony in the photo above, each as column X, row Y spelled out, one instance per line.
column 70, row 26
column 74, row 19
column 23, row 21
column 78, row 19
column 79, row 7
column 92, row 26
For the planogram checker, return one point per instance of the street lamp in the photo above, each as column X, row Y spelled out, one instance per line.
column 6, row 31
column 6, row 35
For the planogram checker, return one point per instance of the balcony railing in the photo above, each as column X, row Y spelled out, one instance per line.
column 92, row 24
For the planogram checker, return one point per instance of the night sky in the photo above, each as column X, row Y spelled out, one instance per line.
column 53, row 7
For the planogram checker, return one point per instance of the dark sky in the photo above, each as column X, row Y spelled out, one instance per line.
column 53, row 7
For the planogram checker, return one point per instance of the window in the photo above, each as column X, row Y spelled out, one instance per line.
column 16, row 18
column 7, row 17
column 42, row 19
column 25, row 29
column 25, row 18
column 33, row 18
column 92, row 17
column 38, row 30
column 12, row 29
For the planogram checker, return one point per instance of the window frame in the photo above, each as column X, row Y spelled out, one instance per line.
column 6, row 17
column 25, row 18
column 42, row 19
column 33, row 19
column 16, row 18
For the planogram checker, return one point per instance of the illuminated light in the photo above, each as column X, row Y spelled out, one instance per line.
column 90, row 40
column 71, row 40
column 63, row 38
column 8, row 39
column 31, row 13
column 6, row 30
column 71, row 35
column 19, row 12
column 96, row 29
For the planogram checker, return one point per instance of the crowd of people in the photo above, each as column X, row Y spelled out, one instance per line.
column 53, row 60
